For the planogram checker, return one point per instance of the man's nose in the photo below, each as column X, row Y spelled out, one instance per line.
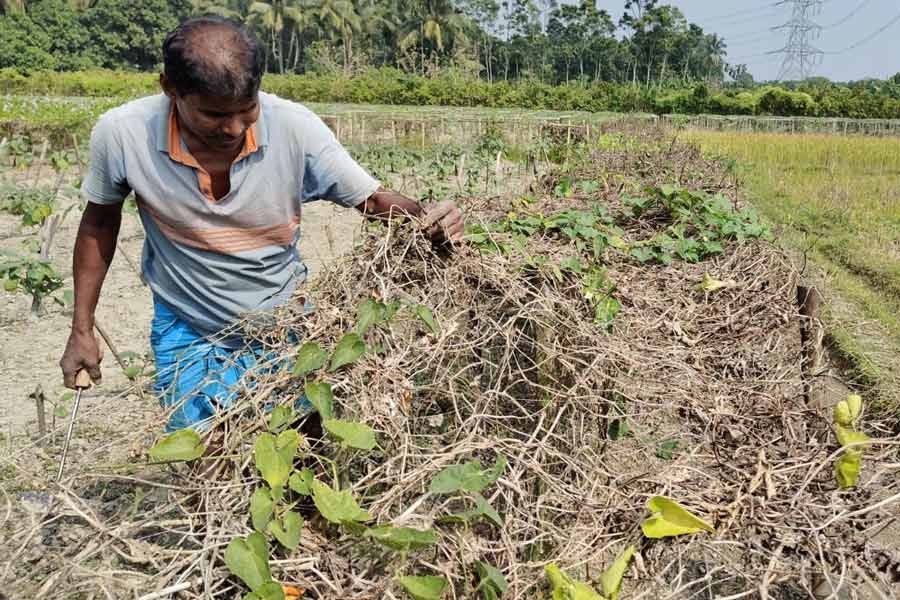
column 233, row 127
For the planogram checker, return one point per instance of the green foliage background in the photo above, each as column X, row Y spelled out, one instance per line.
column 523, row 53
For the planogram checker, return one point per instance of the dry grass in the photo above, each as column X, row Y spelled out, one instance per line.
column 518, row 368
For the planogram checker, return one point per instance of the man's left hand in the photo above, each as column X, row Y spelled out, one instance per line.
column 444, row 222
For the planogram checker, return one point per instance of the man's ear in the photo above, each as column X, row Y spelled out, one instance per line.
column 166, row 85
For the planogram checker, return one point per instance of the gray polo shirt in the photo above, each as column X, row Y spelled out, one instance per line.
column 213, row 260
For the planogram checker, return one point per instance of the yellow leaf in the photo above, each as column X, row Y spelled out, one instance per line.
column 847, row 467
column 611, row 580
column 566, row 588
column 846, row 437
column 670, row 518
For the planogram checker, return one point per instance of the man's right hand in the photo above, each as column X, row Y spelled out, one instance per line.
column 82, row 352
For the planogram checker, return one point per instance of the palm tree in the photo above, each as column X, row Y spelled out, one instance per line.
column 339, row 18
column 433, row 21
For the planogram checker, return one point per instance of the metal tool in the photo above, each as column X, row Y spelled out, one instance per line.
column 82, row 382
column 41, row 502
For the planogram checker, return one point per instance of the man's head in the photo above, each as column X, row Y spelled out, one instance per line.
column 213, row 68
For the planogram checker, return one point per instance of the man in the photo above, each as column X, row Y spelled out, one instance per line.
column 220, row 172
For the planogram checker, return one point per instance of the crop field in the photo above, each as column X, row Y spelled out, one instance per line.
column 604, row 392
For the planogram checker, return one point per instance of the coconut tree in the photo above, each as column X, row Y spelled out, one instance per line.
column 431, row 25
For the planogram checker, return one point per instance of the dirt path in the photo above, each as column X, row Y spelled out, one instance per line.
column 31, row 348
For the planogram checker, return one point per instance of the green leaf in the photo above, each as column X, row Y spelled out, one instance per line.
column 348, row 350
column 269, row 591
column 670, row 518
column 566, row 588
column 468, row 477
column 248, row 559
column 301, row 482
column 424, row 587
column 847, row 437
column 287, row 443
column 611, row 579
column 337, row 506
column 402, row 539
column 492, row 582
column 261, row 507
column 424, row 314
column 287, row 529
column 320, row 396
column 847, row 467
column 132, row 372
column 351, row 434
column 310, row 358
column 368, row 313
column 484, row 508
column 184, row 444
column 666, row 450
column 281, row 416
column 269, row 460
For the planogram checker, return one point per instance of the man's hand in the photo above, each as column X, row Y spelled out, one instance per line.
column 444, row 222
column 82, row 352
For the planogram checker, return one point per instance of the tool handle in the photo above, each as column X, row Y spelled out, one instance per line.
column 82, row 379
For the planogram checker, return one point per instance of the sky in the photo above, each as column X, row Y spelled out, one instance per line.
column 745, row 25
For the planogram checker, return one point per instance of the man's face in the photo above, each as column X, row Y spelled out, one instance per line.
column 218, row 123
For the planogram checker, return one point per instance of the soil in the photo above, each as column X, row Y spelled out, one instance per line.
column 31, row 347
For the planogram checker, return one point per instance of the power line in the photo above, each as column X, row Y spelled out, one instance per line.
column 852, row 14
column 740, row 12
column 869, row 37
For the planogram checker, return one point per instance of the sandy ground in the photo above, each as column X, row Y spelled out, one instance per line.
column 31, row 348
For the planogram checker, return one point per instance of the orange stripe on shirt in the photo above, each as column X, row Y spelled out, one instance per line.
column 226, row 240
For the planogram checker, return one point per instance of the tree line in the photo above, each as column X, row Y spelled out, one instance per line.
column 494, row 39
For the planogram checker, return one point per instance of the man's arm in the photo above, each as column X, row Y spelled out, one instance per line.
column 95, row 246
column 443, row 222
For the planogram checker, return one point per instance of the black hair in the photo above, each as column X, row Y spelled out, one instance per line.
column 214, row 56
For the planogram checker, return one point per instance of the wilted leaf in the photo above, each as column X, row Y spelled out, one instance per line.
column 424, row 314
column 348, row 350
column 270, row 462
column 301, row 482
column 566, row 588
column 337, row 506
column 402, row 539
column 847, row 467
column 425, row 587
column 310, row 358
column 611, row 579
column 350, row 433
column 320, row 396
column 248, row 559
column 670, row 518
column 468, row 477
column 184, row 444
column 710, row 284
column 287, row 529
column 261, row 506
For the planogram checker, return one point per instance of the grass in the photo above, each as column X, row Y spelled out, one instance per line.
column 837, row 201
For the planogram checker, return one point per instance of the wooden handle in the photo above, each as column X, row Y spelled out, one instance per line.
column 82, row 379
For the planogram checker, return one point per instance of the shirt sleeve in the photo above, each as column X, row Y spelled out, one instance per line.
column 105, row 182
column 331, row 173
